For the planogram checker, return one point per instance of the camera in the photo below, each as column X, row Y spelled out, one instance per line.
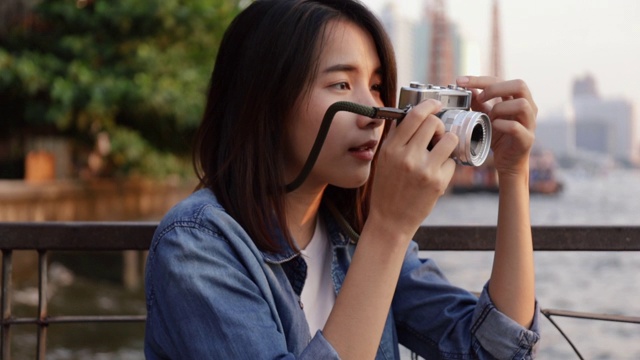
column 472, row 128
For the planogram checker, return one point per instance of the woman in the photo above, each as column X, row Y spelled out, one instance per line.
column 244, row 269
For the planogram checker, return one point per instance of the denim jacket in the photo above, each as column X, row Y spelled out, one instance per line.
column 212, row 294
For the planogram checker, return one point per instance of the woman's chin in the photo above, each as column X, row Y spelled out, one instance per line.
column 352, row 183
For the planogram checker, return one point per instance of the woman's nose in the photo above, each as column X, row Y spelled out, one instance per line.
column 367, row 122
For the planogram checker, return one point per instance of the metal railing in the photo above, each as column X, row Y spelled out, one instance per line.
column 61, row 236
column 109, row 236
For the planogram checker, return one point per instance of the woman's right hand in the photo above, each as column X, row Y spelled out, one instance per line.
column 407, row 182
column 409, row 179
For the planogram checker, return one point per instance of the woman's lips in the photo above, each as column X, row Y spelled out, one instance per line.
column 365, row 151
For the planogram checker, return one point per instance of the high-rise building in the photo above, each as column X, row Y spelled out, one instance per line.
column 557, row 133
column 401, row 32
column 605, row 126
column 592, row 127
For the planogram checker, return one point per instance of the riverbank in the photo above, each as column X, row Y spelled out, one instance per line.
column 87, row 200
column 90, row 200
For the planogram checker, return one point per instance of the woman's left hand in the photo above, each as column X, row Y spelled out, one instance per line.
column 513, row 119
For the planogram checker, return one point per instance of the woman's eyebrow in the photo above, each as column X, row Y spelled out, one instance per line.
column 340, row 68
column 347, row 68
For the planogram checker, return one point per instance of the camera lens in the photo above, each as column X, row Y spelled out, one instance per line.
column 477, row 136
column 474, row 135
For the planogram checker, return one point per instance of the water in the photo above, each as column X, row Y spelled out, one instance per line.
column 586, row 281
column 589, row 198
column 80, row 296
column 601, row 282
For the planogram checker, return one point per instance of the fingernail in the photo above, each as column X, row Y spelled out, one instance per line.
column 462, row 80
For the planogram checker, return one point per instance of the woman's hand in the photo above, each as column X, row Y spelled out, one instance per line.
column 513, row 118
column 409, row 179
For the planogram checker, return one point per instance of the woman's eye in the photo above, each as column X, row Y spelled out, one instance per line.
column 376, row 87
column 341, row 86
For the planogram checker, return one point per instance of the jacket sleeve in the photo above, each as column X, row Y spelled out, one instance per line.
column 438, row 320
column 205, row 302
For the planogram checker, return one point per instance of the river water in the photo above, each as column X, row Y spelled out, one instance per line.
column 581, row 281
column 601, row 282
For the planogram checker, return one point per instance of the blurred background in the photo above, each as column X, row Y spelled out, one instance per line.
column 99, row 101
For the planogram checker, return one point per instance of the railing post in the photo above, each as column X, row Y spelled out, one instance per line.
column 5, row 342
column 42, row 304
column 131, row 269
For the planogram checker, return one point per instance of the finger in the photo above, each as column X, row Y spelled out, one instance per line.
column 414, row 119
column 477, row 105
column 443, row 149
column 429, row 132
column 518, row 109
column 516, row 131
column 449, row 167
column 508, row 127
column 494, row 87
column 512, row 89
column 446, row 170
column 476, row 82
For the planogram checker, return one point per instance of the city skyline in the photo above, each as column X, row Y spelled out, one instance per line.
column 550, row 46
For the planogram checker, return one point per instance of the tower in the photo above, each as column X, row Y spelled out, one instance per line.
column 496, row 42
column 441, row 65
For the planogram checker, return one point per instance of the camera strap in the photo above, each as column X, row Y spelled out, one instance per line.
column 386, row 113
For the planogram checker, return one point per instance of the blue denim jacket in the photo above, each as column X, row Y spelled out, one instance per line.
column 211, row 294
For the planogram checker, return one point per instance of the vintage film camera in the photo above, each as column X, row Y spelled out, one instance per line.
column 472, row 128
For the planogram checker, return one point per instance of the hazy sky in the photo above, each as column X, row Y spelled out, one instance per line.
column 549, row 43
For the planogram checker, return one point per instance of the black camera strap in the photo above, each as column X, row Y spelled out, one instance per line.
column 386, row 113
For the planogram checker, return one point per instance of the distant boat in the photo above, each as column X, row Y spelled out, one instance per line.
column 543, row 173
column 543, row 178
column 483, row 178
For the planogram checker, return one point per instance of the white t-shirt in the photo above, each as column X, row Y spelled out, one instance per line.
column 318, row 294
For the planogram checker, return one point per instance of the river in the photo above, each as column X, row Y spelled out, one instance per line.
column 586, row 281
column 601, row 282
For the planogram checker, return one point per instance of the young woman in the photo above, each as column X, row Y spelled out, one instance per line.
column 244, row 269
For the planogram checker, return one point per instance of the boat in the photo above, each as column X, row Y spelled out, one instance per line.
column 543, row 176
column 473, row 179
column 543, row 173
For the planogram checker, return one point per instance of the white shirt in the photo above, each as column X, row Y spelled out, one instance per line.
column 318, row 294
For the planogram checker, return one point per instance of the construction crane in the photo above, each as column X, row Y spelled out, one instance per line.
column 442, row 68
column 496, row 42
column 441, row 65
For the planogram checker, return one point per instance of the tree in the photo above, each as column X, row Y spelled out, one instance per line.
column 134, row 70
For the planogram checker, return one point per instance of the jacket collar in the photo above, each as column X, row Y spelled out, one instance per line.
column 337, row 237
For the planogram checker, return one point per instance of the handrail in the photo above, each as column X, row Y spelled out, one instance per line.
column 120, row 236
column 76, row 236
column 109, row 236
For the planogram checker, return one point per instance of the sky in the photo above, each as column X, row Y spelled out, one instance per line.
column 549, row 43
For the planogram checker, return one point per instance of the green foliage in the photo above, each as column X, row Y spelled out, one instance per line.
column 137, row 70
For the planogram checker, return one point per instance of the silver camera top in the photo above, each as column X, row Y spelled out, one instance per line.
column 452, row 97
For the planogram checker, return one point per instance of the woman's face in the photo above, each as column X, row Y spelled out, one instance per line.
column 349, row 70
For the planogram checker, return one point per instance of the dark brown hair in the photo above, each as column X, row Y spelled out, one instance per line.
column 267, row 60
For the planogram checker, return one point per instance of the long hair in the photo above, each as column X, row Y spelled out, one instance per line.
column 267, row 60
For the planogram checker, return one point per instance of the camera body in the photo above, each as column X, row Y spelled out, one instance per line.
column 472, row 128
